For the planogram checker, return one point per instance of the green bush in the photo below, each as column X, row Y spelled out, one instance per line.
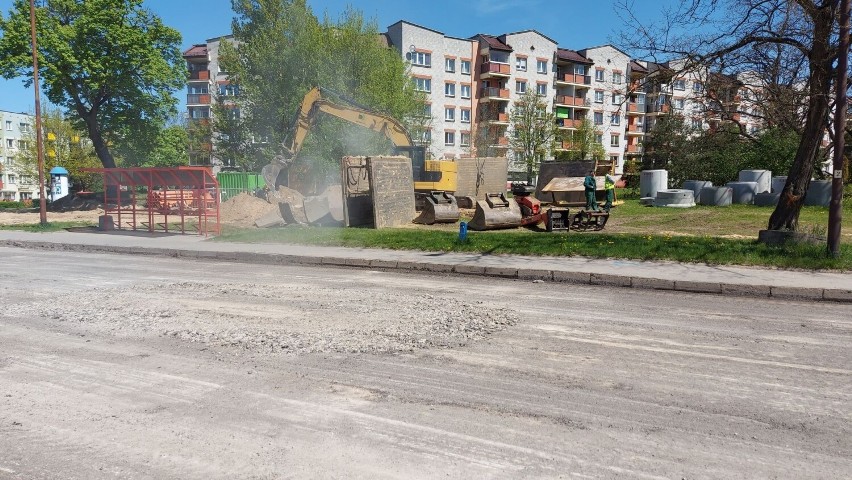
column 14, row 205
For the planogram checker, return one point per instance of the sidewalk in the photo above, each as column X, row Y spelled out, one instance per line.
column 727, row 280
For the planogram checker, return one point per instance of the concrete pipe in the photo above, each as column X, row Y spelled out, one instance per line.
column 766, row 199
column 676, row 198
column 696, row 186
column 778, row 184
column 716, row 196
column 652, row 181
column 763, row 178
column 743, row 192
column 819, row 193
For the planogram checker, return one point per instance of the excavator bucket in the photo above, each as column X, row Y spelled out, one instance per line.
column 270, row 175
column 438, row 207
column 495, row 212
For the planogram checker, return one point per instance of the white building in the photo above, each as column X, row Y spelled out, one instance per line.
column 14, row 131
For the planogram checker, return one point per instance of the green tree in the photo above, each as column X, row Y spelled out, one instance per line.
column 64, row 146
column 533, row 131
column 584, row 144
column 110, row 64
column 665, row 143
column 282, row 50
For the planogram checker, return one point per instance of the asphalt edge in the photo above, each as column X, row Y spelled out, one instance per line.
column 558, row 276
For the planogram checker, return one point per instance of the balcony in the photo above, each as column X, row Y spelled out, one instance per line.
column 565, row 145
column 656, row 109
column 635, row 108
column 502, row 142
column 493, row 93
column 200, row 75
column 501, row 119
column 633, row 129
column 573, row 79
column 492, row 69
column 198, row 99
column 569, row 101
column 568, row 123
column 635, row 149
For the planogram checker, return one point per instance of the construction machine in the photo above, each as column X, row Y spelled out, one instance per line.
column 434, row 180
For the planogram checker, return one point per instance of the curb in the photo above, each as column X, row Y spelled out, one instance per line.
column 557, row 276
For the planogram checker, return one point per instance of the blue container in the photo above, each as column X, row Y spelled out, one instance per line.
column 463, row 231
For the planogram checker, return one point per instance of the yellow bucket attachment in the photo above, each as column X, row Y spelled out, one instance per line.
column 495, row 212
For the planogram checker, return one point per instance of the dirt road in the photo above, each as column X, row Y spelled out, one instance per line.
column 129, row 367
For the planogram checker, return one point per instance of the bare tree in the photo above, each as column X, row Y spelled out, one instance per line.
column 532, row 131
column 792, row 43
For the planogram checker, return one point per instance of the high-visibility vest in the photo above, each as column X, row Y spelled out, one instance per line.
column 609, row 183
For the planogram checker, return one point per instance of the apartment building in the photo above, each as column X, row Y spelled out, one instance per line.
column 15, row 185
column 206, row 80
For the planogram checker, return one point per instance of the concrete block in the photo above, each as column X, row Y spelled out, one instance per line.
column 652, row 283
column 435, row 267
column 611, row 280
column 469, row 269
column 797, row 293
column 525, row 274
column 358, row 262
column 306, row 260
column 383, row 263
column 408, row 265
column 742, row 290
column 837, row 295
column 334, row 261
column 502, row 272
column 572, row 277
column 105, row 222
column 698, row 287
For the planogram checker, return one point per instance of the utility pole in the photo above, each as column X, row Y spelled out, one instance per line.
column 39, row 145
column 834, row 212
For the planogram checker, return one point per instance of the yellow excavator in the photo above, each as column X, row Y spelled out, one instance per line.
column 434, row 180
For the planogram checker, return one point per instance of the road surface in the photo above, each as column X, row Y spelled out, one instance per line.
column 130, row 367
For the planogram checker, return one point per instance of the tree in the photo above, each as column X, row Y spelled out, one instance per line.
column 533, row 131
column 793, row 40
column 665, row 142
column 282, row 50
column 584, row 144
column 110, row 64
column 64, row 146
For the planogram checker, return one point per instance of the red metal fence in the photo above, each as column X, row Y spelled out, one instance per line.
column 181, row 200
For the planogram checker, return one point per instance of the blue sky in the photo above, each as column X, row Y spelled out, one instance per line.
column 572, row 23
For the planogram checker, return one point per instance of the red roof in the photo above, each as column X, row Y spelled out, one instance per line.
column 637, row 67
column 495, row 43
column 571, row 56
column 199, row 50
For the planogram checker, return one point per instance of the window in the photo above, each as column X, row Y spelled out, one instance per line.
column 616, row 77
column 427, row 110
column 10, row 143
column 521, row 86
column 450, row 114
column 464, row 116
column 465, row 91
column 450, row 89
column 421, row 59
column 599, row 75
column 579, row 69
column 521, row 64
column 24, row 127
column 541, row 66
column 423, row 84
column 26, row 180
column 614, row 159
column 678, row 103
column 615, row 119
column 598, row 118
column 599, row 138
column 22, row 144
column 12, row 179
column 617, row 98
column 599, row 96
column 450, row 65
column 449, row 138
column 464, row 139
column 465, row 67
column 698, row 87
column 233, row 113
column 197, row 89
column 613, row 140
column 696, row 123
column 680, row 84
column 541, row 89
column 9, row 125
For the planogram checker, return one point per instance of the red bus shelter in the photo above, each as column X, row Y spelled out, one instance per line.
column 180, row 200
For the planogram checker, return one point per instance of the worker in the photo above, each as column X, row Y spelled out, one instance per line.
column 609, row 188
column 590, row 186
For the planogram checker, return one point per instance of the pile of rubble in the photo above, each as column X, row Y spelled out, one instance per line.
column 284, row 206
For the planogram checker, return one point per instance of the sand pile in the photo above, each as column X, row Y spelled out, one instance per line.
column 242, row 210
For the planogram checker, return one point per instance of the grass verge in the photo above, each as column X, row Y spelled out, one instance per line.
column 49, row 227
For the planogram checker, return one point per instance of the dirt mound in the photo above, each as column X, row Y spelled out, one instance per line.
column 242, row 210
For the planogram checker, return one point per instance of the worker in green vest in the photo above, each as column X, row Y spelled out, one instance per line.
column 590, row 185
column 609, row 188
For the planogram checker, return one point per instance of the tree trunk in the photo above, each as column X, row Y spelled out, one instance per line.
column 786, row 214
column 101, row 148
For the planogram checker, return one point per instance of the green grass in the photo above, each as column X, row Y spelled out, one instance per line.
column 49, row 227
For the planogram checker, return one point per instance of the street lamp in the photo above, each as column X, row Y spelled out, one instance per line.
column 39, row 145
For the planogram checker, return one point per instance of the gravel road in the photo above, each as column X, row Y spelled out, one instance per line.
column 128, row 367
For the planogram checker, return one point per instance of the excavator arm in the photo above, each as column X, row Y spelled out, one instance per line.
column 428, row 175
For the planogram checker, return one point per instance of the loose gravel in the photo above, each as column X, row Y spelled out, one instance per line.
column 264, row 318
